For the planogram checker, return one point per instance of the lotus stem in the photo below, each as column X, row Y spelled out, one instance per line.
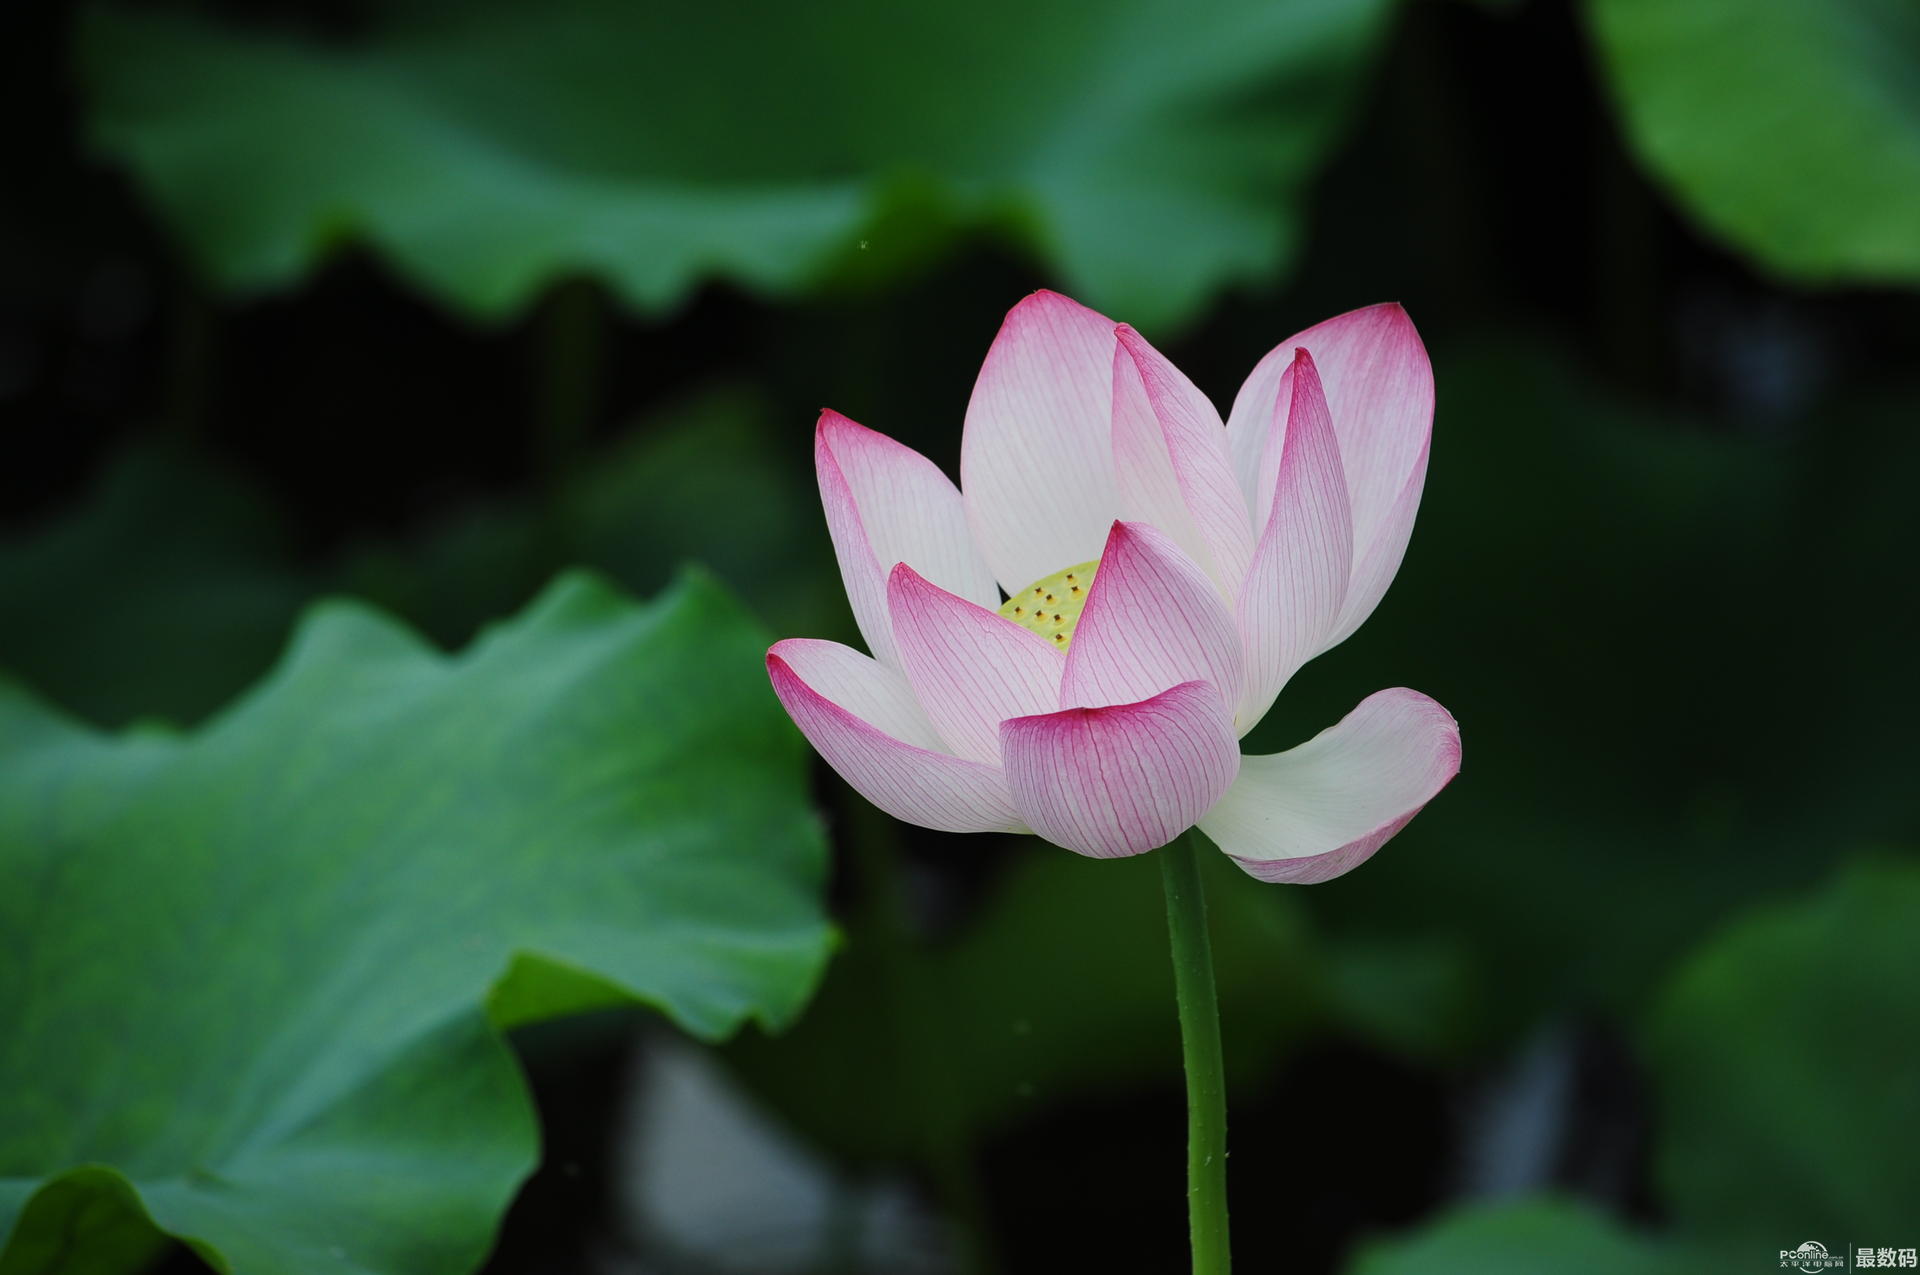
column 1200, row 1047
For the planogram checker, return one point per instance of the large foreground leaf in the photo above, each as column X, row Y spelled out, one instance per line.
column 253, row 979
column 1789, row 127
column 1151, row 150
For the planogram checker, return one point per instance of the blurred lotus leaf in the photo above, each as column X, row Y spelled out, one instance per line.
column 171, row 585
column 1524, row 1238
column 642, row 501
column 160, row 595
column 1597, row 592
column 1783, row 1054
column 257, row 975
column 1790, row 128
column 1150, row 152
column 1782, row 1059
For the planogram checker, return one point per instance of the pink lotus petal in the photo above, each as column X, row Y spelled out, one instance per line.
column 1374, row 571
column 862, row 718
column 1170, row 458
column 1276, row 434
column 1297, row 585
column 971, row 668
column 863, row 686
column 1379, row 387
column 1316, row 811
column 1121, row 780
column 1152, row 620
column 887, row 503
column 1035, row 460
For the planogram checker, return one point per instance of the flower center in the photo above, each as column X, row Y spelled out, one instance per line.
column 1051, row 605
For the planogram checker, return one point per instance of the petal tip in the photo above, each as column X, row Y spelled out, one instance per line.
column 1392, row 310
column 1393, row 316
column 1137, row 349
column 1132, row 534
column 777, row 655
column 831, row 423
column 1046, row 299
column 903, row 579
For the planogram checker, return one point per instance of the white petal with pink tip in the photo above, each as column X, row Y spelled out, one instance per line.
column 1379, row 389
column 1153, row 620
column 1170, row 460
column 886, row 503
column 970, row 668
column 898, row 765
column 1035, row 460
column 1317, row 811
column 1298, row 582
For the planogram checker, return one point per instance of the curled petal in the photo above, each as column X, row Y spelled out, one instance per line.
column 1153, row 620
column 1316, row 811
column 1125, row 779
column 1170, row 459
column 1379, row 389
column 886, row 503
column 970, row 667
column 861, row 716
column 1035, row 460
column 1297, row 585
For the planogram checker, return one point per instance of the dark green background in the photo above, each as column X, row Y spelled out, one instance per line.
column 424, row 303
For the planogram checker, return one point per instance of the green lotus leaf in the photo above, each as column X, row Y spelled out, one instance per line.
column 254, row 978
column 1150, row 152
column 1783, row 1059
column 1789, row 128
column 1522, row 1238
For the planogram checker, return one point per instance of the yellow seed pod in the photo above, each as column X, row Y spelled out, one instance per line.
column 1051, row 605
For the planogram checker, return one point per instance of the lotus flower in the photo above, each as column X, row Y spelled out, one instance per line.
column 1165, row 575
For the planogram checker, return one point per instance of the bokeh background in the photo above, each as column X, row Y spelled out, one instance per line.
column 423, row 302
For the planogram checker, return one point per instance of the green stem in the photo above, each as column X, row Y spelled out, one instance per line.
column 1200, row 1046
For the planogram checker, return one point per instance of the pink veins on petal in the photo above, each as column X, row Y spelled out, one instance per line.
column 1165, row 574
